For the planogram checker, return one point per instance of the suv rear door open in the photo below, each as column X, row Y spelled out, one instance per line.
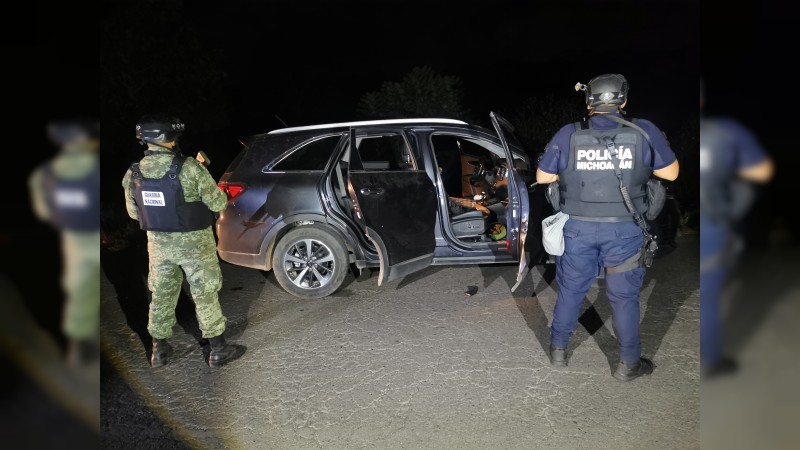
column 395, row 200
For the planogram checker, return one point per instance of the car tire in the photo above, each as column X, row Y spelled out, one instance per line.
column 313, row 274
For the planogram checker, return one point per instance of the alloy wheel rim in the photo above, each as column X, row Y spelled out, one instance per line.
column 309, row 264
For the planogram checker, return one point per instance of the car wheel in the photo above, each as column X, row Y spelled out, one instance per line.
column 310, row 262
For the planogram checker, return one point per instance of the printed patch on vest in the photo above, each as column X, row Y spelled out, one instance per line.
column 601, row 159
column 153, row 198
column 71, row 198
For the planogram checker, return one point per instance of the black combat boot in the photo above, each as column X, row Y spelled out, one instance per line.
column 626, row 372
column 222, row 352
column 161, row 352
column 558, row 356
column 723, row 366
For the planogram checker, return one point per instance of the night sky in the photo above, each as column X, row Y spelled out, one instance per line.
column 310, row 62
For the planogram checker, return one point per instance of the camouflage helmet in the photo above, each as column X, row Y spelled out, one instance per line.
column 159, row 128
column 67, row 131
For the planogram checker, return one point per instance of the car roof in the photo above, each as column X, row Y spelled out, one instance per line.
column 368, row 123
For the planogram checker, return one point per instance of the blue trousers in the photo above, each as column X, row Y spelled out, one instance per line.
column 587, row 247
column 713, row 241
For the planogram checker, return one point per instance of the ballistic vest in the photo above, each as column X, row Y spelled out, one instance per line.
column 589, row 186
column 162, row 206
column 74, row 204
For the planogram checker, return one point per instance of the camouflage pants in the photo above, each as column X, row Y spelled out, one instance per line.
column 81, row 283
column 195, row 253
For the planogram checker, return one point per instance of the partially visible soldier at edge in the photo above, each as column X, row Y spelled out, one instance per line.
column 65, row 192
column 732, row 162
column 174, row 198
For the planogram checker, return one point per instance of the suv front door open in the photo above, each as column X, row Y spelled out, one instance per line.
column 395, row 200
column 518, row 202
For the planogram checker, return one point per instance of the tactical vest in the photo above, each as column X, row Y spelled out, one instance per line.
column 74, row 204
column 161, row 203
column 589, row 187
column 723, row 196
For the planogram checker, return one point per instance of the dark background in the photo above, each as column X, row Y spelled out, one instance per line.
column 746, row 49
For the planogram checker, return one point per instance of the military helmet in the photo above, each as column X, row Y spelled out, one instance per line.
column 159, row 128
column 67, row 131
column 605, row 92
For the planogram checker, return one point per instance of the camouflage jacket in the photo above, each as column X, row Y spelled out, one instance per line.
column 198, row 185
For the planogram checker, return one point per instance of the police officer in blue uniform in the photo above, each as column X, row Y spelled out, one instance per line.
column 601, row 231
column 731, row 160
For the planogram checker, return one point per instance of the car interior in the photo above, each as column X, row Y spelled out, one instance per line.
column 474, row 177
column 473, row 172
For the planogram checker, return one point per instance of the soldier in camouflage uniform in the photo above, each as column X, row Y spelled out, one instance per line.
column 173, row 197
column 65, row 192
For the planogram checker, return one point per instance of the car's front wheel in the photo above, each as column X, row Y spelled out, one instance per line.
column 310, row 262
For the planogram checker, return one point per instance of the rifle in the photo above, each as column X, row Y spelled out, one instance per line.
column 203, row 158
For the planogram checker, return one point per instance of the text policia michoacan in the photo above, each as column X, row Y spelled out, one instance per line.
column 601, row 159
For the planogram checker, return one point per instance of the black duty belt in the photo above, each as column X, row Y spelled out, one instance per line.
column 602, row 219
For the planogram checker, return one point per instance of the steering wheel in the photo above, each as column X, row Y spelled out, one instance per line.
column 479, row 172
column 501, row 171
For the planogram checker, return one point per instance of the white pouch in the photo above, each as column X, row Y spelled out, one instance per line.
column 553, row 233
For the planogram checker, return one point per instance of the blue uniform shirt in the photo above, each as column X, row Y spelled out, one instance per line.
column 556, row 154
column 743, row 150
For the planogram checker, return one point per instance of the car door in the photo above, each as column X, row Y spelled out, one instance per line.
column 518, row 204
column 395, row 200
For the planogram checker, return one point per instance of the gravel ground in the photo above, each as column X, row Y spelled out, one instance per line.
column 126, row 420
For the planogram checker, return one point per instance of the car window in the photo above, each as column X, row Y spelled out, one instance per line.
column 386, row 151
column 313, row 155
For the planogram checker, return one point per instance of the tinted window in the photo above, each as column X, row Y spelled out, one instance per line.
column 311, row 156
column 385, row 152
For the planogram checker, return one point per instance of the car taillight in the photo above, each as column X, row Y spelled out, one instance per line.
column 232, row 190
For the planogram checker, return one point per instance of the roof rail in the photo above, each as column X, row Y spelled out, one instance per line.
column 368, row 122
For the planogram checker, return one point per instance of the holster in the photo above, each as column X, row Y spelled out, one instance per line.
column 648, row 252
column 553, row 194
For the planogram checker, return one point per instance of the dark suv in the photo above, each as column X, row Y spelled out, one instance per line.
column 398, row 195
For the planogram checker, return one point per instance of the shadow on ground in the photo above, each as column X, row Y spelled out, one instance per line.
column 673, row 278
